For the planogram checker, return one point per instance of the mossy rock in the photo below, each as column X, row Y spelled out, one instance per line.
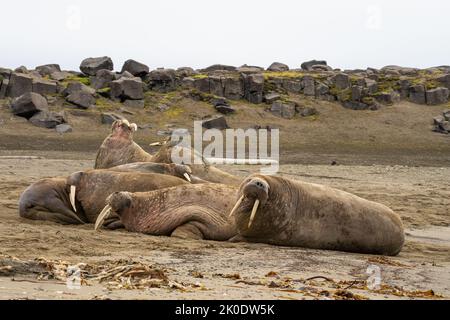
column 199, row 76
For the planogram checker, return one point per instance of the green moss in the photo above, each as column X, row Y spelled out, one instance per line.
column 1, row 78
column 368, row 100
column 174, row 112
column 83, row 80
column 104, row 90
column 199, row 76
column 282, row 74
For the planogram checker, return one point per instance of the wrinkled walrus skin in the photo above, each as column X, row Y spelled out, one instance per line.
column 295, row 213
column 197, row 211
column 119, row 148
column 48, row 199
column 94, row 186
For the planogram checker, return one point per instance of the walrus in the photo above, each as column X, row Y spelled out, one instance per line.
column 119, row 148
column 204, row 170
column 281, row 211
column 197, row 211
column 90, row 189
column 77, row 199
column 177, row 170
column 48, row 199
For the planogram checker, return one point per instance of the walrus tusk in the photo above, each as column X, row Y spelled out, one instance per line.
column 252, row 216
column 72, row 193
column 236, row 205
column 133, row 127
column 187, row 177
column 102, row 216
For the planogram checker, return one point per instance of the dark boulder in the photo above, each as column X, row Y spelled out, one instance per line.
column 306, row 111
column 81, row 99
column 63, row 128
column 444, row 80
column 446, row 115
column 48, row 69
column 19, row 84
column 233, row 87
column 253, row 87
column 44, row 87
column 219, row 101
column 341, row 81
column 134, row 103
column 278, row 67
column 308, row 84
column 309, row 64
column 271, row 97
column 183, row 72
column 102, row 79
column 283, row 109
column 219, row 67
column 28, row 104
column 162, row 80
column 355, row 105
column 127, row 89
column 225, row 109
column 388, row 98
column 136, row 68
column 90, row 66
column 21, row 69
column 437, row 96
column 48, row 119
column 75, row 86
column 215, row 123
column 417, row 94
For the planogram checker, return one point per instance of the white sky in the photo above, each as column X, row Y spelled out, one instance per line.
column 198, row 33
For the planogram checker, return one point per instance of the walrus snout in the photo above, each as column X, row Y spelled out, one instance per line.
column 116, row 202
column 123, row 127
column 256, row 189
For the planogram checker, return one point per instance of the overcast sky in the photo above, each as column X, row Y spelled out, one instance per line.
column 198, row 33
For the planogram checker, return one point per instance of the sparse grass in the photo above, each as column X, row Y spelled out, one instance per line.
column 84, row 80
column 282, row 74
column 199, row 76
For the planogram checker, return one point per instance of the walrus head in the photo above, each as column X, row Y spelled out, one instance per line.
column 116, row 202
column 253, row 193
column 123, row 129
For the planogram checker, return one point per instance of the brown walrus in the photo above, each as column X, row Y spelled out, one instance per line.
column 119, row 148
column 56, row 199
column 48, row 199
column 281, row 211
column 188, row 211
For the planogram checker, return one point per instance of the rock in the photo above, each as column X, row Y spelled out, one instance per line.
column 19, row 84
column 397, row 70
column 219, row 67
column 388, row 98
column 90, row 66
column 249, row 69
column 355, row 105
column 44, row 87
column 271, row 97
column 233, row 87
column 444, row 80
column 404, row 84
column 278, row 67
column 136, row 68
column 75, row 86
column 60, row 75
column 320, row 67
column 162, row 80
column 445, row 126
column 5, row 73
column 134, row 103
column 321, row 90
column 438, row 120
column 371, row 85
column 3, row 87
column 446, row 115
column 437, row 96
column 21, row 69
column 185, row 72
column 109, row 118
column 219, row 101
column 48, row 69
column 224, row 109
column 253, row 87
column 127, row 89
column 28, row 104
column 124, row 74
column 357, row 93
column 216, row 85
column 308, row 64
column 202, row 84
column 63, row 128
column 291, row 85
column 81, row 99
column 341, row 81
column 306, row 111
column 48, row 119
column 215, row 123
column 417, row 94
column 308, row 86
column 102, row 79
column 284, row 110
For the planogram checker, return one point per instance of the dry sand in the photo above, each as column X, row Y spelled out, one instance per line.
column 32, row 251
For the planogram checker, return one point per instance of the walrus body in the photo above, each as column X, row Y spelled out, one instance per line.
column 199, row 166
column 189, row 211
column 92, row 187
column 119, row 148
column 295, row 213
column 48, row 199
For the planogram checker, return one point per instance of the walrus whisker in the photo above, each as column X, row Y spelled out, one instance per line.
column 72, row 193
column 236, row 205
column 252, row 216
column 102, row 217
column 187, row 177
